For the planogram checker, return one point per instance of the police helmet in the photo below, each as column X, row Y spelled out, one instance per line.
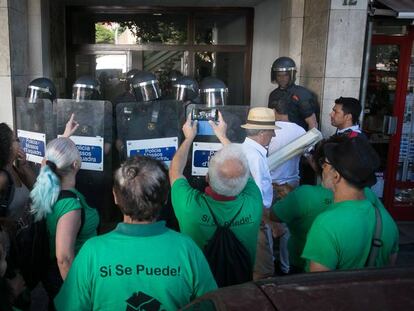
column 174, row 75
column 86, row 88
column 283, row 64
column 41, row 88
column 185, row 88
column 146, row 86
column 213, row 92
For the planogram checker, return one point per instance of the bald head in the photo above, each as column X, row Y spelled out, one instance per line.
column 228, row 171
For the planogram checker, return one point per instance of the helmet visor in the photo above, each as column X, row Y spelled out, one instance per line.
column 214, row 97
column 33, row 93
column 148, row 90
column 81, row 93
column 184, row 92
column 278, row 75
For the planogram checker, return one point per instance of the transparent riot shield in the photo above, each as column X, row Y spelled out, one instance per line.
column 151, row 129
column 206, row 144
column 36, row 126
column 94, row 141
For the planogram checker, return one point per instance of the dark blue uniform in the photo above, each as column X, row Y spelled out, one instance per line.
column 301, row 101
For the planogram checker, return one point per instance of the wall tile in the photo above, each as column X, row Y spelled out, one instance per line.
column 314, row 7
column 6, row 106
column 19, row 48
column 19, row 5
column 345, row 43
column 336, row 87
column 4, row 46
column 314, row 45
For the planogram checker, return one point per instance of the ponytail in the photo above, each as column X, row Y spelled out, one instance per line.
column 61, row 153
column 44, row 193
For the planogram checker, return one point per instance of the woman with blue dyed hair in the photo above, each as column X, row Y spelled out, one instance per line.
column 70, row 220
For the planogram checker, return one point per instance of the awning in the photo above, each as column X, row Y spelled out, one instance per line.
column 402, row 8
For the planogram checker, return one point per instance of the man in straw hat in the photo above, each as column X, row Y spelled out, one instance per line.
column 260, row 128
column 341, row 237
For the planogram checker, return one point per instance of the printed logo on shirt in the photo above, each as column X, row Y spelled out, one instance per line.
column 245, row 220
column 139, row 269
column 143, row 302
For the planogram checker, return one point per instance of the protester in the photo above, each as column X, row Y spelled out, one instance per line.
column 287, row 174
column 70, row 220
column 260, row 128
column 230, row 192
column 341, row 237
column 16, row 177
column 11, row 287
column 345, row 116
column 299, row 214
column 141, row 262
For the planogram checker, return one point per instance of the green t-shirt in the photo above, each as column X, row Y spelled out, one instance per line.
column 190, row 207
column 298, row 210
column 136, row 265
column 340, row 238
column 67, row 205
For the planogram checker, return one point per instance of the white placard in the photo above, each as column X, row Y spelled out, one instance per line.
column 202, row 152
column 33, row 144
column 91, row 151
column 162, row 149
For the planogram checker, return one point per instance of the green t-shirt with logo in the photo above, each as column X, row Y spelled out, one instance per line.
column 298, row 210
column 195, row 220
column 340, row 238
column 136, row 267
column 64, row 206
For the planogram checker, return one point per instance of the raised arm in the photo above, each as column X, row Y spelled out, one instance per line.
column 180, row 158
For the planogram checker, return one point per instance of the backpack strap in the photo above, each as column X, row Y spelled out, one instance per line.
column 5, row 201
column 376, row 241
column 215, row 219
column 65, row 194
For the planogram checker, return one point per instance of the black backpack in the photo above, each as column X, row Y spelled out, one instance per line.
column 228, row 258
column 32, row 244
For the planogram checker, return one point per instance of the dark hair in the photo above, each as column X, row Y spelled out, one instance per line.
column 355, row 160
column 351, row 106
column 142, row 186
column 281, row 106
column 319, row 153
column 6, row 142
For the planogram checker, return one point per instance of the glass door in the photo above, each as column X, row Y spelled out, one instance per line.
column 389, row 121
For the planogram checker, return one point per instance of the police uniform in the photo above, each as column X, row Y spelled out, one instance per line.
column 302, row 103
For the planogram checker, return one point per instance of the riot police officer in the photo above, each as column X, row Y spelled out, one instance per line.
column 95, row 121
column 127, row 95
column 86, row 88
column 213, row 92
column 40, row 88
column 302, row 105
column 185, row 89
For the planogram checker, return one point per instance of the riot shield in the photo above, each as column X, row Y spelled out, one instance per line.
column 94, row 141
column 36, row 126
column 149, row 128
column 206, row 144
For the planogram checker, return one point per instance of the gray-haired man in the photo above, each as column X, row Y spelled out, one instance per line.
column 230, row 190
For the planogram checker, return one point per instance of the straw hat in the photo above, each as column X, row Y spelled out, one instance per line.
column 260, row 118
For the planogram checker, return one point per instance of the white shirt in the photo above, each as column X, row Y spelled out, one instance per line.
column 288, row 172
column 257, row 157
column 354, row 128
